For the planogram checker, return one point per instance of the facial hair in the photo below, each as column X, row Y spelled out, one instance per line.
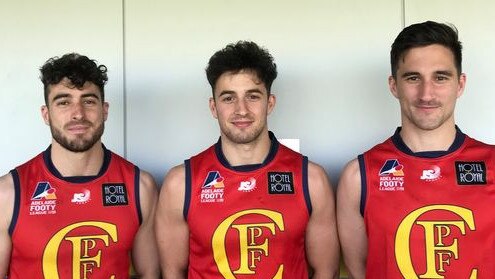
column 244, row 137
column 79, row 144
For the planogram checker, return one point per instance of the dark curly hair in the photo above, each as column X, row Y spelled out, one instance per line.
column 425, row 34
column 79, row 69
column 243, row 55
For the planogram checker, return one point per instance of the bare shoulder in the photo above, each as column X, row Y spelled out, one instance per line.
column 147, row 182
column 320, row 189
column 350, row 179
column 317, row 177
column 349, row 189
column 172, row 192
column 175, row 179
column 6, row 188
column 7, row 197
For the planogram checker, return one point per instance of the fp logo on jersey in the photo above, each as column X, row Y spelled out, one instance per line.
column 253, row 242
column 441, row 241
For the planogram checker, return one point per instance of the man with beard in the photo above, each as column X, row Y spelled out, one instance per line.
column 420, row 204
column 247, row 207
column 77, row 210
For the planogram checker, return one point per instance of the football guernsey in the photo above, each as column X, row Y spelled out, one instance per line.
column 247, row 221
column 429, row 214
column 74, row 227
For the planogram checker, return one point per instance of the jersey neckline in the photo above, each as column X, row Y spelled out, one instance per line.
column 401, row 145
column 47, row 157
column 247, row 168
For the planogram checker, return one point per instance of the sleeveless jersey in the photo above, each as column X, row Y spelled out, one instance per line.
column 248, row 221
column 74, row 227
column 429, row 214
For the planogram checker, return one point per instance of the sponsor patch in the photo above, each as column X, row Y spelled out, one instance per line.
column 391, row 176
column 280, row 183
column 433, row 173
column 213, row 188
column 114, row 194
column 470, row 173
column 43, row 200
column 247, row 186
column 81, row 198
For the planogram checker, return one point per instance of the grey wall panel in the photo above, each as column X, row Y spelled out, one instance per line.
column 474, row 20
column 331, row 91
column 30, row 33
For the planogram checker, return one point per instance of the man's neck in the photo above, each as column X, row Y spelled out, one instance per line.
column 418, row 140
column 246, row 154
column 70, row 163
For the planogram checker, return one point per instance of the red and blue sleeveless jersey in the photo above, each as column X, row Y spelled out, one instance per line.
column 74, row 227
column 429, row 214
column 247, row 221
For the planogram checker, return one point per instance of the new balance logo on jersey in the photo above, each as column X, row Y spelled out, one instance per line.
column 470, row 173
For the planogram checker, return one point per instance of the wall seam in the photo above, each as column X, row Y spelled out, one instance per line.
column 124, row 80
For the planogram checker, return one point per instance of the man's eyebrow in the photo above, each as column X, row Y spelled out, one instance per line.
column 86, row 95
column 60, row 96
column 408, row 74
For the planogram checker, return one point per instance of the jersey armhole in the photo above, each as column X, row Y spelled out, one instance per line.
column 17, row 201
column 305, row 183
column 362, row 170
column 137, row 174
column 187, row 194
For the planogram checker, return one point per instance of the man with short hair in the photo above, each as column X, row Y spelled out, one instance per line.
column 77, row 210
column 419, row 205
column 247, row 207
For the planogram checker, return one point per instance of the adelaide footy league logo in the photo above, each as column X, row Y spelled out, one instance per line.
column 43, row 200
column 391, row 176
column 213, row 188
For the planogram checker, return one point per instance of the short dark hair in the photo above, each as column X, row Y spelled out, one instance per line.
column 243, row 55
column 425, row 34
column 79, row 69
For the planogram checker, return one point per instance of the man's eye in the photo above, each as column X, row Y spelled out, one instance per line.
column 62, row 103
column 253, row 97
column 227, row 99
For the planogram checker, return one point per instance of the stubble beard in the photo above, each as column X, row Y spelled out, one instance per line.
column 245, row 137
column 80, row 144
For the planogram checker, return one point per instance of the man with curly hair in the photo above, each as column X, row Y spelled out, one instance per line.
column 247, row 207
column 76, row 210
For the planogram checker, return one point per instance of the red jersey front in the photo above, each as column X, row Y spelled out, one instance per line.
column 430, row 214
column 75, row 227
column 248, row 221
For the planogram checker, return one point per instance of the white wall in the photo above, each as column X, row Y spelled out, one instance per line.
column 475, row 21
column 333, row 59
column 30, row 33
